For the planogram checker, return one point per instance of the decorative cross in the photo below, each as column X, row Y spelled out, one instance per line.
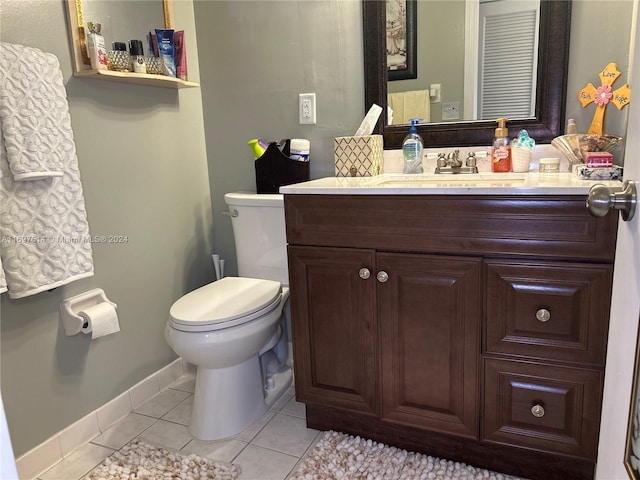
column 602, row 95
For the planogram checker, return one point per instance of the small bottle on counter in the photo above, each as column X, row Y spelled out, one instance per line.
column 137, row 56
column 549, row 165
column 571, row 127
column 501, row 149
column 412, row 148
column 299, row 149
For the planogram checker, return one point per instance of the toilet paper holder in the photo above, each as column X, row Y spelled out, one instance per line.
column 69, row 308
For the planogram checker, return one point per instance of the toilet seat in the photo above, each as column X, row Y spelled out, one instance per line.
column 226, row 303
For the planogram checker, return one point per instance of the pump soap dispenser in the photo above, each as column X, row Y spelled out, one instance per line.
column 412, row 147
column 501, row 149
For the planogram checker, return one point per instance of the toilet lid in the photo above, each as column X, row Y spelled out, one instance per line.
column 229, row 301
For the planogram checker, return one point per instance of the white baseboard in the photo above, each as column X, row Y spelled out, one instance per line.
column 61, row 445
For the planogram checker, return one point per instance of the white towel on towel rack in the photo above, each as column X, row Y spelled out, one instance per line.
column 408, row 105
column 37, row 134
column 45, row 240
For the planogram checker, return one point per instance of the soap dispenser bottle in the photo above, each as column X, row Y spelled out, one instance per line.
column 501, row 149
column 412, row 147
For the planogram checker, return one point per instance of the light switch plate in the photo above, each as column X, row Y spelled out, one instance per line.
column 435, row 90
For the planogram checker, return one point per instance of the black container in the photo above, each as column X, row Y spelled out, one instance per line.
column 135, row 48
column 275, row 169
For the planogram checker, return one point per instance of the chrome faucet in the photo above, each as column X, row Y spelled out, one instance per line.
column 453, row 159
column 451, row 163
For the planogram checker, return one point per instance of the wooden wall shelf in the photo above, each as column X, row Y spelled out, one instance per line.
column 81, row 70
column 137, row 78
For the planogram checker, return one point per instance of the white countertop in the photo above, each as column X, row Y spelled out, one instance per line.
column 532, row 183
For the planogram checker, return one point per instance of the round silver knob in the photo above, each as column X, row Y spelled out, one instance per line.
column 382, row 276
column 600, row 200
column 364, row 273
column 543, row 315
column 537, row 411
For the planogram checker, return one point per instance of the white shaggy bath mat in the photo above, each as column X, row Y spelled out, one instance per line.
column 344, row 457
column 138, row 460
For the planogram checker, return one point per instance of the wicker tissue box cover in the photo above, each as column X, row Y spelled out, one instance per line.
column 358, row 156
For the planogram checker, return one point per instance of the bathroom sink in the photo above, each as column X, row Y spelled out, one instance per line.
column 448, row 180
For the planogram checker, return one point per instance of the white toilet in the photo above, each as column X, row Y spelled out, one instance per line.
column 234, row 330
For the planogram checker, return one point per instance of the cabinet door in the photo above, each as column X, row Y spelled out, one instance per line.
column 429, row 316
column 333, row 321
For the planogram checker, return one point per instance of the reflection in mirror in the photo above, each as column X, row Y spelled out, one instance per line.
column 124, row 20
column 121, row 21
column 445, row 53
column 491, row 47
column 401, row 39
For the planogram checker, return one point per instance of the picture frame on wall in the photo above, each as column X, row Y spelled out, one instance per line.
column 632, row 449
column 401, row 36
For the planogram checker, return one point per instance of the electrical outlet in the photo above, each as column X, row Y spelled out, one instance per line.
column 307, row 108
column 450, row 110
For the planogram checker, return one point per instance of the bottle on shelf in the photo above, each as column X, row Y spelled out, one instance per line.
column 96, row 47
column 137, row 56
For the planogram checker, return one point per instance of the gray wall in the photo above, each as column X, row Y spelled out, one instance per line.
column 440, row 53
column 255, row 57
column 600, row 34
column 143, row 164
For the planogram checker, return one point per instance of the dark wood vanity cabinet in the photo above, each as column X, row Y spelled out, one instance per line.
column 473, row 328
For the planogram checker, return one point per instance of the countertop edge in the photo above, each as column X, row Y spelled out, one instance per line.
column 527, row 184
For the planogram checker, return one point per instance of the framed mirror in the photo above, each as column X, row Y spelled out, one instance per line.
column 122, row 20
column 550, row 96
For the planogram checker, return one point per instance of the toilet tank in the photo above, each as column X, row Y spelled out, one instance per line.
column 259, row 234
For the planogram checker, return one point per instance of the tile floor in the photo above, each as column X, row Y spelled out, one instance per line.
column 268, row 450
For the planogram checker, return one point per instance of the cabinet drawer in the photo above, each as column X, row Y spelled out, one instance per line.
column 545, row 407
column 551, row 227
column 548, row 310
